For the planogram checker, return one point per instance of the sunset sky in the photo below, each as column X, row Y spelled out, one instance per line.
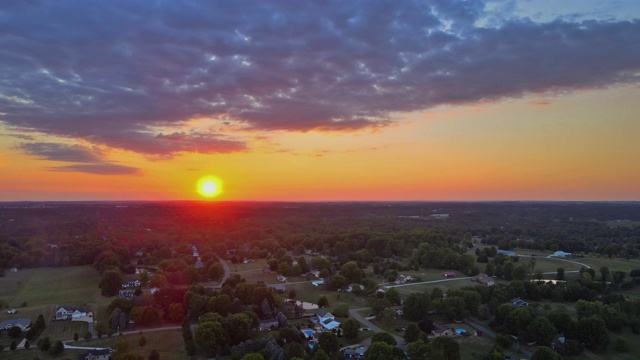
column 320, row 100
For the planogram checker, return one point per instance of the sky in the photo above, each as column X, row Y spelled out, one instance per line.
column 435, row 100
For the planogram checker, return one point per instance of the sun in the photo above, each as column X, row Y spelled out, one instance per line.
column 209, row 186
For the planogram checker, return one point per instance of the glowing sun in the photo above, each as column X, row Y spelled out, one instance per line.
column 209, row 186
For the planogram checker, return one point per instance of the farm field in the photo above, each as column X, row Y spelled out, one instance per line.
column 168, row 343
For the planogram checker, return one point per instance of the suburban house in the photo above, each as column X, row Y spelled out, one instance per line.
column 102, row 354
column 561, row 254
column 23, row 324
column 518, row 303
column 269, row 324
column 484, row 279
column 326, row 319
column 398, row 310
column 127, row 294
column 404, row 279
column 357, row 353
column 69, row 312
column 439, row 330
column 132, row 283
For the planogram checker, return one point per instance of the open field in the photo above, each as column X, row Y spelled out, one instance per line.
column 613, row 264
column 44, row 288
column 33, row 353
column 168, row 343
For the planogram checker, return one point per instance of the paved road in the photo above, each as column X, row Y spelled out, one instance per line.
column 227, row 272
column 368, row 324
column 428, row 282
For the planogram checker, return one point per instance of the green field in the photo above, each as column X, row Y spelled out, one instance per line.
column 42, row 289
column 168, row 343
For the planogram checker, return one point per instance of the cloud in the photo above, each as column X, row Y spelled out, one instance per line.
column 90, row 160
column 59, row 152
column 117, row 73
column 99, row 169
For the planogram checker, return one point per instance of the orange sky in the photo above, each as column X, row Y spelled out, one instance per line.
column 578, row 146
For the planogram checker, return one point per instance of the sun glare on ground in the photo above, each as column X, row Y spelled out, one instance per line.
column 209, row 186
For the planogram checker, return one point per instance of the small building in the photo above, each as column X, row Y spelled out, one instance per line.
column 318, row 282
column 281, row 278
column 439, row 330
column 357, row 353
column 484, row 279
column 398, row 310
column 279, row 288
column 102, row 354
column 326, row 319
column 269, row 324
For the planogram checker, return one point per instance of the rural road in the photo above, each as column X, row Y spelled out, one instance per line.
column 368, row 324
column 227, row 272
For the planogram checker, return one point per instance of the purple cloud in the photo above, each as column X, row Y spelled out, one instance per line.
column 114, row 72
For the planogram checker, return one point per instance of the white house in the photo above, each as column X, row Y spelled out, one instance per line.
column 327, row 320
column 102, row 354
column 69, row 312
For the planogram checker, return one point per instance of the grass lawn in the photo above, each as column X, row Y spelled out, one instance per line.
column 309, row 293
column 613, row 264
column 44, row 288
column 168, row 343
column 474, row 347
column 33, row 353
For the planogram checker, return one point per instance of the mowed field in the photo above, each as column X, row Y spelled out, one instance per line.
column 42, row 289
column 168, row 343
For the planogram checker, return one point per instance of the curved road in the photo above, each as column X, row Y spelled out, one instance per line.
column 355, row 315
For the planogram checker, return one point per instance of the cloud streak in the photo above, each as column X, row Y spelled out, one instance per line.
column 115, row 72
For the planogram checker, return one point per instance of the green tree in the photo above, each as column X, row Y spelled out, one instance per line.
column 379, row 351
column 519, row 273
column 328, row 342
column 154, row 355
column 560, row 273
column 416, row 306
column 110, row 283
column 56, row 349
column 393, row 295
column 253, row 356
column 13, row 345
column 351, row 328
column 490, row 269
column 622, row 344
column 594, row 333
column 44, row 344
column 209, row 336
column 417, row 350
column 412, row 333
column 541, row 331
column 176, row 312
column 27, row 344
column 544, row 353
column 323, row 302
column 351, row 272
column 444, row 348
column 604, row 273
column 320, row 355
column 142, row 341
column 88, row 335
column 385, row 338
column 76, row 337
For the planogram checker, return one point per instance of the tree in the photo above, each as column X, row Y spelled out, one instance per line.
column 351, row 272
column 453, row 308
column 393, row 295
column 604, row 272
column 351, row 328
column 44, row 344
column 544, row 353
column 622, row 344
column 176, row 312
column 379, row 351
column 56, row 349
column 519, row 273
column 76, row 337
column 560, row 274
column 489, row 269
column 14, row 332
column 253, row 356
column 323, row 302
column 27, row 344
column 320, row 355
column 209, row 336
column 541, row 331
column 417, row 350
column 594, row 333
column 110, row 283
column 13, row 345
column 412, row 333
column 88, row 335
column 154, row 355
column 328, row 341
column 385, row 338
column 444, row 348
column 142, row 341
column 416, row 306
column 293, row 294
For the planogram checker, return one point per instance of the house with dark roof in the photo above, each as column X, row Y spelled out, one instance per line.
column 484, row 279
column 518, row 303
column 23, row 324
column 102, row 354
column 439, row 330
column 269, row 324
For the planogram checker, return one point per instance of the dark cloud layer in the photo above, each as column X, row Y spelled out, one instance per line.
column 86, row 160
column 112, row 71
